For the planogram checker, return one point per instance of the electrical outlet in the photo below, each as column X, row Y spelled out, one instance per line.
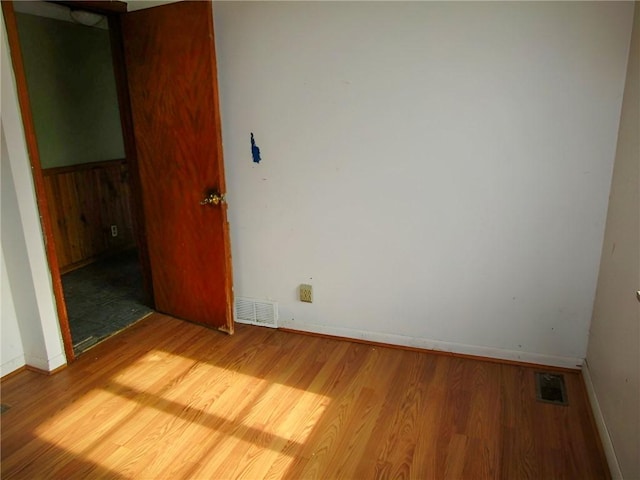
column 306, row 293
column 114, row 230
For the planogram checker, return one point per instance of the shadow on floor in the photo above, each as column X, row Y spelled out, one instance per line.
column 103, row 298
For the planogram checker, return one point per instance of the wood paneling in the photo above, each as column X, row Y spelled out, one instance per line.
column 170, row 399
column 84, row 201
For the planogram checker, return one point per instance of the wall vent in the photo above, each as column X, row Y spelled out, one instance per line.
column 256, row 312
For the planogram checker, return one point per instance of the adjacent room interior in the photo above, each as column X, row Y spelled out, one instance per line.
column 69, row 71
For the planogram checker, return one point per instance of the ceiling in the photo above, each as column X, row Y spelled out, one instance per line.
column 133, row 5
column 60, row 12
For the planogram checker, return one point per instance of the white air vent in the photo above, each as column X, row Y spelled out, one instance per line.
column 256, row 312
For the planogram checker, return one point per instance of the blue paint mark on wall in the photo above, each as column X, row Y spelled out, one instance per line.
column 255, row 150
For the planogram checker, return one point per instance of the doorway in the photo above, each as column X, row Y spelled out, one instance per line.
column 178, row 201
column 69, row 73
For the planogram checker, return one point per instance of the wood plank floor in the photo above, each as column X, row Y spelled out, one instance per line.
column 169, row 399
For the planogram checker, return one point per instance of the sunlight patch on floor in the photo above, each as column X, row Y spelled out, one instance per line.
column 99, row 408
column 187, row 424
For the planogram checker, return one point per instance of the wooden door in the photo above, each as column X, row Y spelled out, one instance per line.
column 171, row 70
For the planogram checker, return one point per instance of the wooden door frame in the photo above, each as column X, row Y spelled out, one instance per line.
column 112, row 9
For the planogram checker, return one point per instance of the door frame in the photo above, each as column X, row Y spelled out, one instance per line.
column 112, row 10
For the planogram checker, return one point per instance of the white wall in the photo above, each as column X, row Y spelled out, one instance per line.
column 23, row 251
column 438, row 172
column 613, row 356
column 12, row 353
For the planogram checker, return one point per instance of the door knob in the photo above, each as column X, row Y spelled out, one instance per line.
column 213, row 198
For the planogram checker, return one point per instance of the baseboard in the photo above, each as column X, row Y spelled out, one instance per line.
column 436, row 345
column 57, row 363
column 605, row 438
column 12, row 365
column 45, row 372
column 46, row 365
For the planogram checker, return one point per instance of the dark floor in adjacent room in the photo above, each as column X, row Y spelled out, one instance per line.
column 103, row 298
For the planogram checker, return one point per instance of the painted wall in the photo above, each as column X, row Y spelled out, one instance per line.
column 19, row 283
column 29, row 279
column 438, row 172
column 12, row 352
column 613, row 356
column 72, row 90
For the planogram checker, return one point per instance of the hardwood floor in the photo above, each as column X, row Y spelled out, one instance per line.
column 169, row 399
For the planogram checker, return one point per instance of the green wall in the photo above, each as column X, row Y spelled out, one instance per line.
column 72, row 91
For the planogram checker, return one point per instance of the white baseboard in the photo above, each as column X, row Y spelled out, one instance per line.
column 605, row 438
column 37, row 362
column 12, row 365
column 436, row 345
column 57, row 362
column 44, row 364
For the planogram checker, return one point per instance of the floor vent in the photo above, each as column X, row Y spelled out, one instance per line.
column 256, row 312
column 550, row 388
